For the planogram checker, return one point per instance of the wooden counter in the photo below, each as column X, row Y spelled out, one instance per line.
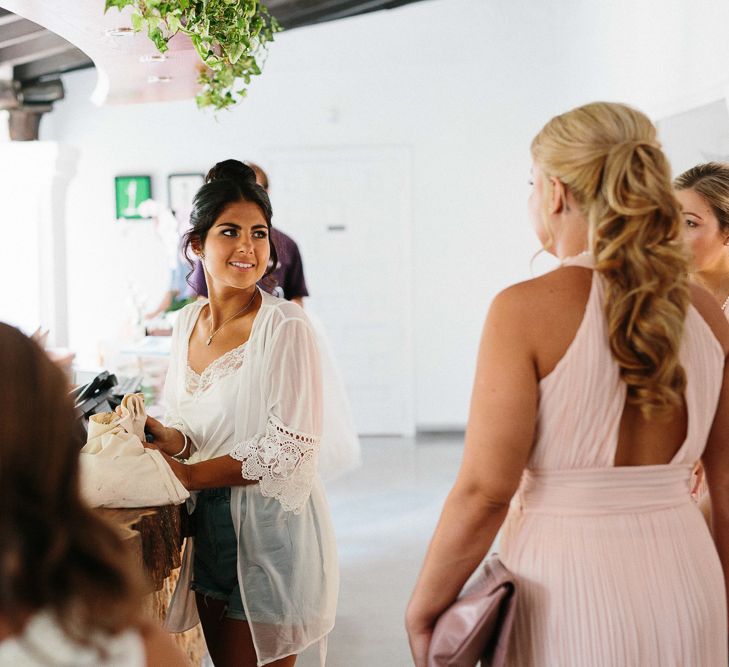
column 155, row 536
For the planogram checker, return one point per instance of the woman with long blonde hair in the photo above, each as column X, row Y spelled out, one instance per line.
column 581, row 442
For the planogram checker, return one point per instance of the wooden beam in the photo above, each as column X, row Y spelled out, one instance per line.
column 19, row 31
column 42, row 46
column 295, row 13
column 67, row 61
column 7, row 16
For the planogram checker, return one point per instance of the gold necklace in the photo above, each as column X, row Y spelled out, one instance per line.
column 240, row 312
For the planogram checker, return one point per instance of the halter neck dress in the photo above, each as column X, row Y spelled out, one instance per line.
column 615, row 566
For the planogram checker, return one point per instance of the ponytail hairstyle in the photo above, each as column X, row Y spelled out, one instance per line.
column 711, row 181
column 610, row 159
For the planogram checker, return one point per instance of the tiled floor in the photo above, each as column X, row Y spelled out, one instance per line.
column 384, row 514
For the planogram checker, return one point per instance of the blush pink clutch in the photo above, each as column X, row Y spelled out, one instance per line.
column 477, row 626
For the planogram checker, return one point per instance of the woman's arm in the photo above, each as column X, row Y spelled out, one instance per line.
column 715, row 458
column 211, row 474
column 716, row 466
column 499, row 438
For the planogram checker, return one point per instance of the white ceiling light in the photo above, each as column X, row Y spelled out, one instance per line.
column 159, row 79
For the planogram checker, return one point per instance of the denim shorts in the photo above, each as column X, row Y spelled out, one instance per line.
column 215, row 566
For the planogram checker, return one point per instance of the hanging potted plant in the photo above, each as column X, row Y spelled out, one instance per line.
column 230, row 36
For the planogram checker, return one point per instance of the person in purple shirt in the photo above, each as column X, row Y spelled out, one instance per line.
column 287, row 281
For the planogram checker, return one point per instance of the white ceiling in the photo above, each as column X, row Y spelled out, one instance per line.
column 40, row 39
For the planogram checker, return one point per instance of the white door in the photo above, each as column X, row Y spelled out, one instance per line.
column 349, row 211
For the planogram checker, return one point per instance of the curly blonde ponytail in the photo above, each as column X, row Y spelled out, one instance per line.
column 609, row 157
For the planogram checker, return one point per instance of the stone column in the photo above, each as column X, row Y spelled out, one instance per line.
column 34, row 178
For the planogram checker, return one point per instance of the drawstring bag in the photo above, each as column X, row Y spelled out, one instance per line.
column 117, row 470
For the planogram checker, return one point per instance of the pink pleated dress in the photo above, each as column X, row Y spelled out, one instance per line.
column 615, row 565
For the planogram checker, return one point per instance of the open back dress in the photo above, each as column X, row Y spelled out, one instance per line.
column 615, row 565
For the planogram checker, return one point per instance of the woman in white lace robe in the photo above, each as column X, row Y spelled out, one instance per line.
column 244, row 399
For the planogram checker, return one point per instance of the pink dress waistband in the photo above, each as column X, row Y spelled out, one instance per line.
column 599, row 491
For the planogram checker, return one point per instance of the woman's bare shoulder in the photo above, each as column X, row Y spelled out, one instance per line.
column 564, row 288
column 712, row 314
column 545, row 313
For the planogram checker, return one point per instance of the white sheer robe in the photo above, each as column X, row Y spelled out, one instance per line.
column 287, row 560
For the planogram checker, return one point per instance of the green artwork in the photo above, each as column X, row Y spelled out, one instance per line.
column 131, row 191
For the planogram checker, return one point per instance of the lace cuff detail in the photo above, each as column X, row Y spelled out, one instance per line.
column 283, row 461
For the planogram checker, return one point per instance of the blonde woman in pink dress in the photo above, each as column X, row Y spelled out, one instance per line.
column 598, row 386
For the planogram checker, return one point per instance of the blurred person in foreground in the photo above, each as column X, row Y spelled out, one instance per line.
column 69, row 594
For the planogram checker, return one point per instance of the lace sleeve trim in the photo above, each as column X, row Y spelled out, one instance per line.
column 283, row 461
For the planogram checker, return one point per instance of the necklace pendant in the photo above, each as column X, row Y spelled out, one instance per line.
column 208, row 341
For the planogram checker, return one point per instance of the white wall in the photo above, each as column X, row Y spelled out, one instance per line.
column 464, row 84
column 698, row 135
column 661, row 55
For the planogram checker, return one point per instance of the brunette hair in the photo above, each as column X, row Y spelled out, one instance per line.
column 610, row 159
column 56, row 554
column 227, row 182
column 711, row 181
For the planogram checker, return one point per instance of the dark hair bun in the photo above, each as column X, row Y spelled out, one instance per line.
column 231, row 170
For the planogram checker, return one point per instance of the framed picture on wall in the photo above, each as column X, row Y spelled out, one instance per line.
column 181, row 189
column 131, row 191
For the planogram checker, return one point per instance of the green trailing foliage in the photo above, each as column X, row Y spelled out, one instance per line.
column 230, row 36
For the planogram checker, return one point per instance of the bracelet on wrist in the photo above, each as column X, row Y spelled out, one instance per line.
column 184, row 446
